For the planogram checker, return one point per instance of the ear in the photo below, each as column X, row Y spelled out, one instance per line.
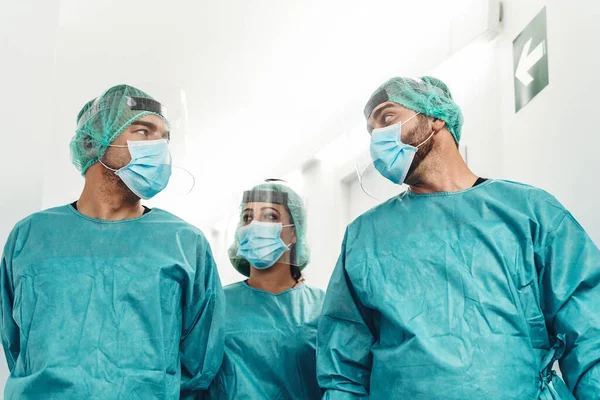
column 294, row 237
column 87, row 143
column 438, row 124
column 88, row 146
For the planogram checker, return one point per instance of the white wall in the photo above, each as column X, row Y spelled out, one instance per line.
column 325, row 221
column 552, row 143
column 27, row 38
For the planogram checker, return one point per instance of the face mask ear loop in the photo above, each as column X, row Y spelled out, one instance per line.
column 427, row 140
column 410, row 118
column 288, row 245
column 107, row 167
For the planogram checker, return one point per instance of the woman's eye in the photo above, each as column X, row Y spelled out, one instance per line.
column 246, row 219
column 270, row 217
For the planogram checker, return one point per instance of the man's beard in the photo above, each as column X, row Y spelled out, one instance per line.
column 421, row 132
column 120, row 187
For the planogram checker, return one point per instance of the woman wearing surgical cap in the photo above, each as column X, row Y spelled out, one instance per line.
column 271, row 322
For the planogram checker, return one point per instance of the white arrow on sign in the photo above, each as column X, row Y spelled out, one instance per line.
column 528, row 60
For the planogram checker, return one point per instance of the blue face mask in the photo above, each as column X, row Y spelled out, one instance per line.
column 391, row 157
column 261, row 244
column 149, row 170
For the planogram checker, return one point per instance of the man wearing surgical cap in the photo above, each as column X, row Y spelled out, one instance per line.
column 461, row 287
column 105, row 298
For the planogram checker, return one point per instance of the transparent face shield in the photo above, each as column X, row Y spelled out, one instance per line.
column 267, row 226
column 383, row 156
column 371, row 182
column 182, row 181
column 270, row 228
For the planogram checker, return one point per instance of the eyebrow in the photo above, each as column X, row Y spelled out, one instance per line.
column 270, row 208
column 147, row 124
column 262, row 209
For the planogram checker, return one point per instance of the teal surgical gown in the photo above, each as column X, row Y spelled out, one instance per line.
column 95, row 309
column 270, row 342
column 461, row 296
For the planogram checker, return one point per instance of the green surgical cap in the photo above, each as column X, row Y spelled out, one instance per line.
column 103, row 119
column 426, row 95
column 297, row 209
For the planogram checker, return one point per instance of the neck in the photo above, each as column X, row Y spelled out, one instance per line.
column 447, row 173
column 106, row 199
column 276, row 279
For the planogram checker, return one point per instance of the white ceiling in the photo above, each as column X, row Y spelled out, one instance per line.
column 267, row 82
